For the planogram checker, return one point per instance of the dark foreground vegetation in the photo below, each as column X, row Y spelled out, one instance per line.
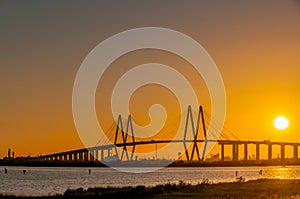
column 260, row 189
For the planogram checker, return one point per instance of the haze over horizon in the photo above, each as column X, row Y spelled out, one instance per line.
column 255, row 45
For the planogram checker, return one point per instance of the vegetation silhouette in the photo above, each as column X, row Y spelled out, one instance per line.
column 260, row 189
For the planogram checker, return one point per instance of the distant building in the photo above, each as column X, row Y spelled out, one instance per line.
column 213, row 157
column 8, row 153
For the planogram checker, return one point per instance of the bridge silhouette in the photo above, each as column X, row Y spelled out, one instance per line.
column 124, row 149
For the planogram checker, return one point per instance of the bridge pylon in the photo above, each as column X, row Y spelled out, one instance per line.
column 124, row 133
column 195, row 133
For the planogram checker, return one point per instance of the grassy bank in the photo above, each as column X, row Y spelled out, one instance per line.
column 261, row 189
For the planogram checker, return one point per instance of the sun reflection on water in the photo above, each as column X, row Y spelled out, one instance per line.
column 282, row 173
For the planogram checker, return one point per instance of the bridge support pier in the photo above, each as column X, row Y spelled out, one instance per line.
column 222, row 152
column 257, row 152
column 270, row 152
column 282, row 151
column 92, row 155
column 295, row 152
column 108, row 153
column 86, row 157
column 235, row 152
column 97, row 155
column 245, row 151
column 102, row 155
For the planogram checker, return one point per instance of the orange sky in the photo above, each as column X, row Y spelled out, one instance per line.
column 256, row 46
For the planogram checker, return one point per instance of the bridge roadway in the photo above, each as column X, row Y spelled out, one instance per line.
column 92, row 153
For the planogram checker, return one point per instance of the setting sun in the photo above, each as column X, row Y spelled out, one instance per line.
column 281, row 123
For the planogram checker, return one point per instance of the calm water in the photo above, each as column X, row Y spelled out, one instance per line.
column 49, row 181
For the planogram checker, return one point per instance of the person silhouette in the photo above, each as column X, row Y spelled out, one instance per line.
column 5, row 170
column 90, row 171
column 24, row 172
column 236, row 173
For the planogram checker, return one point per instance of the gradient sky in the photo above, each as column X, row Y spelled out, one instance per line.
column 255, row 44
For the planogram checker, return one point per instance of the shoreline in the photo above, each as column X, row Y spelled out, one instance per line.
column 148, row 163
column 261, row 188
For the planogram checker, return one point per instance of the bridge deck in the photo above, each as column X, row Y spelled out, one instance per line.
column 223, row 142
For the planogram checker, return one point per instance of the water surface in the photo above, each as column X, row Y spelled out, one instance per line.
column 53, row 180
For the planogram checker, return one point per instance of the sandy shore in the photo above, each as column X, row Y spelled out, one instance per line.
column 261, row 189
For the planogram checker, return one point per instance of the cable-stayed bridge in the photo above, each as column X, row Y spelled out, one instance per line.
column 194, row 137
